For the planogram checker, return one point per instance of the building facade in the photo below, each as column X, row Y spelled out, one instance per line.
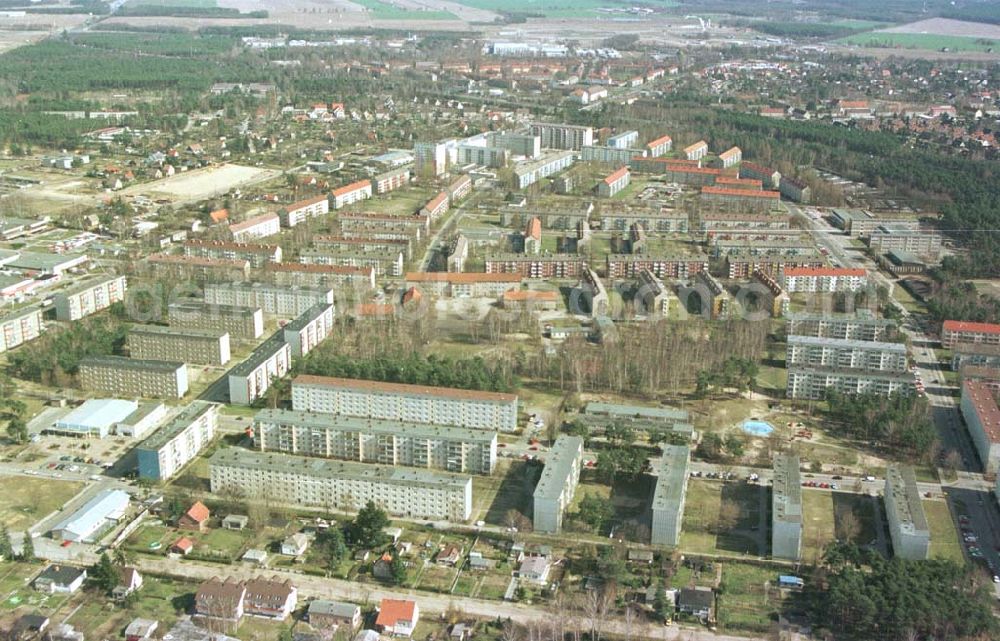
column 178, row 442
column 813, row 382
column 89, row 297
column 20, row 327
column 241, row 323
column 249, row 380
column 158, row 343
column 953, row 332
column 869, row 356
column 120, row 376
column 309, row 329
column 540, row 266
column 557, row 485
column 560, row 136
column 282, row 301
column 982, row 419
column 908, row 528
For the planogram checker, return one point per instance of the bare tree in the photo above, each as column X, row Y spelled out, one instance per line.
column 729, row 515
column 849, row 526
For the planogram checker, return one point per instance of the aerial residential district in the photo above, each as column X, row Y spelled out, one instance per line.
column 478, row 320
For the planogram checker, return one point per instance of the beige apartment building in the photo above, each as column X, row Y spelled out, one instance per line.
column 129, row 377
column 88, row 297
column 242, row 323
column 158, row 343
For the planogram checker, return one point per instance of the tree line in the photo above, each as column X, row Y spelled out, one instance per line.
column 54, row 358
column 900, row 422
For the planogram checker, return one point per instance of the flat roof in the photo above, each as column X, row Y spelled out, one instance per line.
column 99, row 412
column 786, row 498
column 163, row 330
column 901, row 481
column 845, row 343
column 109, row 504
column 124, row 362
column 902, row 377
column 201, row 306
column 264, row 351
column 558, row 466
column 308, row 316
column 671, row 483
column 42, row 260
column 333, row 469
column 87, row 283
column 403, row 388
column 980, row 396
column 180, row 422
column 636, row 411
column 340, row 422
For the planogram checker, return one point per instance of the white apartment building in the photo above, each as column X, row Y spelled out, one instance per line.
column 365, row 440
column 431, row 158
column 303, row 210
column 353, row 193
column 696, row 151
column 309, row 330
column 256, row 254
column 20, row 327
column 342, row 485
column 556, row 487
column 128, row 377
column 89, row 297
column 560, row 136
column 242, row 323
column 276, row 300
column 870, row 356
column 823, row 279
column 908, row 528
column 786, row 509
column 813, row 382
column 614, row 183
column 730, row 157
column 857, row 327
column 624, row 140
column 158, row 343
column 530, row 172
column 659, row 147
column 164, row 453
column 257, row 227
column 668, row 497
column 400, row 402
column 249, row 380
column 391, row 180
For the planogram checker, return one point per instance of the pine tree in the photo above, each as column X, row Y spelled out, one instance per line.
column 6, row 547
column 28, row 547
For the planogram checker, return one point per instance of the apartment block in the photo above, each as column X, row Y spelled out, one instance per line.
column 954, row 332
column 652, row 219
column 741, row 264
column 257, row 227
column 715, row 221
column 668, row 497
column 739, row 199
column 897, row 238
column 19, row 327
column 659, row 147
column 860, row 223
column 391, row 180
column 982, row 419
column 814, row 382
column 528, row 145
column 242, row 323
column 857, row 327
column 362, row 243
column 171, row 447
column 794, row 189
column 303, row 210
column 372, row 224
column 197, row 269
column 251, row 379
column 386, row 261
column 559, row 136
column 463, row 285
column 654, row 295
column 283, row 301
column 367, row 440
column 786, row 509
column 869, row 356
column 730, row 157
column 614, row 183
column 624, row 140
column 536, row 266
column 459, row 254
column 320, row 276
column 556, row 487
column 401, row 402
column 614, row 156
column 431, row 158
column 124, row 377
column 718, row 299
column 158, row 343
column 436, row 207
column 256, row 254
column 342, row 485
column 780, row 247
column 594, row 292
column 350, row 194
column 975, row 355
column 479, row 153
column 693, row 175
column 770, row 178
column 459, row 188
column 739, row 183
column 824, row 279
column 309, row 329
column 88, row 297
column 629, row 265
column 529, row 172
column 908, row 528
column 696, row 151
column 777, row 300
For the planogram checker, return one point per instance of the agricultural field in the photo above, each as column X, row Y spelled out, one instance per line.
column 924, row 41
column 388, row 10
column 26, row 500
column 555, row 9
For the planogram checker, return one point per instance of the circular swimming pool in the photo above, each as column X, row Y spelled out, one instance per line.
column 756, row 427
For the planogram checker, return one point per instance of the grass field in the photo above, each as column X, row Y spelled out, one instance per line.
column 699, row 533
column 162, row 600
column 388, row 11
column 549, row 9
column 746, row 603
column 824, row 519
column 23, row 500
column 944, row 537
column 925, row 41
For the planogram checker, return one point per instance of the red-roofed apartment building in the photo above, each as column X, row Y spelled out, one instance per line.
column 697, row 151
column 349, row 194
column 823, row 279
column 436, row 206
column 533, row 236
column 953, row 332
column 614, row 183
column 730, row 157
column 982, row 417
column 301, row 211
column 660, row 146
column 397, row 617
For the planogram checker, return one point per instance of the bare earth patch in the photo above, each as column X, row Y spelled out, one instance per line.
column 947, row 27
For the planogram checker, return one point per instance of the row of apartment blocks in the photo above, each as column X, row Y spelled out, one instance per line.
column 630, row 265
column 557, row 485
column 862, row 325
column 536, row 266
column 320, row 276
column 341, row 485
column 256, row 254
column 384, row 442
column 657, row 219
column 385, row 260
column 462, row 285
column 402, row 402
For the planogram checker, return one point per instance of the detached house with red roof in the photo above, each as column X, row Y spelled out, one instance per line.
column 397, row 617
column 195, row 519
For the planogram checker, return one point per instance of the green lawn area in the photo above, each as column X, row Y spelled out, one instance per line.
column 746, row 603
column 163, row 600
column 824, row 516
column 548, row 8
column 904, row 297
column 920, row 41
column 700, row 531
column 944, row 536
column 25, row 500
column 389, row 11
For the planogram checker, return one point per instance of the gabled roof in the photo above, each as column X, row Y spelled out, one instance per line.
column 355, row 186
column 964, row 326
column 392, row 611
column 198, row 512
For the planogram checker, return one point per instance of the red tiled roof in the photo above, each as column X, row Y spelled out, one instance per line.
column 306, row 203
column 534, row 228
column 659, row 141
column 692, row 169
column 437, row 201
column 722, row 191
column 825, row 271
column 963, row 326
column 393, row 610
column 985, row 405
column 732, row 151
column 250, row 222
column 346, row 189
column 693, row 146
column 514, row 295
column 316, row 269
column 615, row 176
column 402, row 388
column 460, row 277
column 219, row 215
column 198, row 512
column 412, row 294
column 183, row 543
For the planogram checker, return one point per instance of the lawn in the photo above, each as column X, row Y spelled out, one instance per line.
column 824, row 516
column 388, row 11
column 25, row 500
column 924, row 41
column 701, row 532
column 944, row 536
column 162, row 600
column 546, row 8
column 746, row 603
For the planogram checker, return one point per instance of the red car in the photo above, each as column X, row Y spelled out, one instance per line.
column 66, row 544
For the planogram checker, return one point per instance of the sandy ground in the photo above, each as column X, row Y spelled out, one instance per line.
column 17, row 31
column 948, row 27
column 201, row 183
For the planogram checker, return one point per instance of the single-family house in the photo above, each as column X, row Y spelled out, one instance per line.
column 182, row 546
column 140, row 629
column 222, row 600
column 697, row 602
column 271, row 598
column 236, row 522
column 449, row 556
column 129, row 580
column 60, row 579
column 196, row 518
column 333, row 614
column 295, row 545
column 534, row 569
column 397, row 617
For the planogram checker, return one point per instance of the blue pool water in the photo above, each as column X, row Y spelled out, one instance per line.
column 757, row 428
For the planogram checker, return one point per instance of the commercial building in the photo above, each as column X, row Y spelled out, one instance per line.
column 288, row 301
column 860, row 326
column 120, row 376
column 786, row 509
column 19, row 327
column 559, row 136
column 93, row 517
column 366, row 440
column 309, row 329
column 254, row 253
column 400, row 402
column 660, row 146
column 954, row 332
column 922, row 242
column 257, row 227
column 669, row 495
column 540, row 266
column 730, row 157
column 556, row 487
column 146, row 418
column 869, row 356
column 860, row 223
column 44, row 263
column 982, row 419
column 614, row 183
column 462, row 285
column 391, row 180
column 529, row 172
column 350, row 194
column 286, row 478
column 824, row 279
column 96, row 417
column 303, row 210
column 814, row 382
column 696, row 151
column 158, row 343
column 908, row 528
column 241, row 323
column 629, row 265
column 88, row 297
column 321, row 277
column 249, row 380
column 178, row 442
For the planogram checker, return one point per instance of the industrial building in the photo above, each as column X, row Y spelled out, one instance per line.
column 786, row 509
column 250, row 379
column 668, row 497
column 120, row 376
column 96, row 417
column 93, row 518
column 158, row 343
column 556, row 487
column 164, row 453
column 88, row 297
column 908, row 528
